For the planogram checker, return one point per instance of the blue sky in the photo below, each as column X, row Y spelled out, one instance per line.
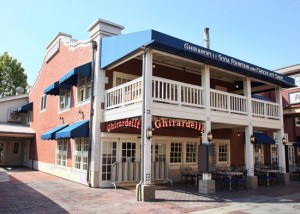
column 262, row 32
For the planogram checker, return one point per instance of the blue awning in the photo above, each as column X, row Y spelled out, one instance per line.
column 70, row 79
column 256, row 96
column 117, row 48
column 25, row 108
column 53, row 89
column 262, row 138
column 75, row 130
column 50, row 135
column 297, row 144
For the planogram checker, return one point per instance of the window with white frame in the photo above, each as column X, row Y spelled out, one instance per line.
column 291, row 155
column 160, row 152
column 65, row 98
column 81, row 153
column 176, row 152
column 222, row 148
column 258, row 154
column 191, row 149
column 121, row 78
column 128, row 152
column 83, row 88
column 297, row 121
column 43, row 102
column 62, row 152
column 29, row 117
column 109, row 157
column 274, row 154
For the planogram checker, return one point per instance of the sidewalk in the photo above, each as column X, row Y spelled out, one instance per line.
column 26, row 191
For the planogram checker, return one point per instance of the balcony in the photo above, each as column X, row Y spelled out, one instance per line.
column 171, row 98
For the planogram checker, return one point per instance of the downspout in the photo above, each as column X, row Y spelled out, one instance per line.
column 139, row 196
column 88, row 176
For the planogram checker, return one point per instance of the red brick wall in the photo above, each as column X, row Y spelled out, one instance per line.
column 64, row 61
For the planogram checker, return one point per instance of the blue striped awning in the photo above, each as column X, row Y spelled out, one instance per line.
column 52, row 89
column 50, row 135
column 70, row 79
column 75, row 130
column 262, row 138
column 25, row 108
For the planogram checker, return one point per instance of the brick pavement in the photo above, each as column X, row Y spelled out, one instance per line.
column 26, row 191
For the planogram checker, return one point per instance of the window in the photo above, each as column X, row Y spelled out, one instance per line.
column 297, row 121
column 176, row 152
column 291, row 155
column 61, row 152
column 191, row 149
column 121, row 78
column 109, row 157
column 65, row 98
column 81, row 153
column 29, row 117
column 160, row 152
column 258, row 154
column 16, row 148
column 83, row 88
column 128, row 152
column 274, row 154
column 222, row 148
column 297, row 80
column 43, row 102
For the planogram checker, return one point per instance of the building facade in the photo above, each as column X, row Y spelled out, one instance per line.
column 115, row 104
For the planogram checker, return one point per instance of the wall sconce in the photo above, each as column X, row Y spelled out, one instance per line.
column 209, row 137
column 252, row 139
column 149, row 133
column 61, row 118
column 238, row 133
column 81, row 112
column 284, row 140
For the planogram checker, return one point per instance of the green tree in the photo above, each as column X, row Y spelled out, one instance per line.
column 12, row 75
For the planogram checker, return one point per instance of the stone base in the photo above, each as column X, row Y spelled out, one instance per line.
column 147, row 192
column 252, row 182
column 286, row 178
column 207, row 186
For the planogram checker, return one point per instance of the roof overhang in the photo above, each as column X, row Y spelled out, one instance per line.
column 116, row 48
column 14, row 130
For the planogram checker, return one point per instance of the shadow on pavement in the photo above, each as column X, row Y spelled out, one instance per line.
column 17, row 197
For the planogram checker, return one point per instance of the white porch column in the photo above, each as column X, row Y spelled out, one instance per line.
column 147, row 116
column 205, row 79
column 249, row 159
column 280, row 132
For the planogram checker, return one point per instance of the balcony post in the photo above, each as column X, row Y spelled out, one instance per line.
column 280, row 132
column 146, row 191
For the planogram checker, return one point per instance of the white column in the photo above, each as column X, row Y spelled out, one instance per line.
column 280, row 132
column 205, row 79
column 147, row 116
column 249, row 159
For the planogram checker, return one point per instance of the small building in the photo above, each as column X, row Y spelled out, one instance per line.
column 16, row 137
column 105, row 106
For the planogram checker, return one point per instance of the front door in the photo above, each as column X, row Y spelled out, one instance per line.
column 2, row 153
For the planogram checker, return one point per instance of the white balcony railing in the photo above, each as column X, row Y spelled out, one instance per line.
column 182, row 94
column 265, row 109
column 178, row 93
column 232, row 103
column 125, row 94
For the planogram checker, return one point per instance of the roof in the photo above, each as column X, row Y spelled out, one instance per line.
column 116, row 48
column 16, row 130
column 15, row 97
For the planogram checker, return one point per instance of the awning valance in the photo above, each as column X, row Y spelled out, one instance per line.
column 25, row 108
column 70, row 79
column 75, row 130
column 262, row 138
column 256, row 96
column 50, row 135
column 53, row 89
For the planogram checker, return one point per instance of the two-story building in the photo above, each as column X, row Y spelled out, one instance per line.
column 112, row 105
column 16, row 137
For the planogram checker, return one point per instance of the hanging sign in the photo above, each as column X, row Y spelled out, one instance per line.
column 161, row 123
column 135, row 123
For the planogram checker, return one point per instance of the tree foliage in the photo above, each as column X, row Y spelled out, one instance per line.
column 12, row 75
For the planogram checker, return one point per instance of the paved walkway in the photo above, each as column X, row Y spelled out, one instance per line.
column 26, row 191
